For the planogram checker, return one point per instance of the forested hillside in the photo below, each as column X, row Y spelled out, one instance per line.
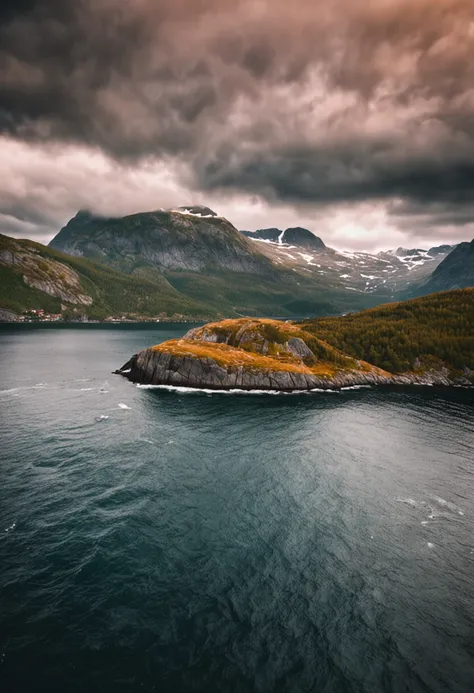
column 399, row 337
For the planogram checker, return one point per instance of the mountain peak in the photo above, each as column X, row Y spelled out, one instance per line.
column 292, row 236
column 85, row 214
column 299, row 236
column 196, row 210
column 455, row 271
column 441, row 250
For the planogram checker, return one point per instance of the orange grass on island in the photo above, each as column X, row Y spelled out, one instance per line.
column 327, row 360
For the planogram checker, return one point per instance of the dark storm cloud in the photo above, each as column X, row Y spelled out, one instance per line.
column 301, row 102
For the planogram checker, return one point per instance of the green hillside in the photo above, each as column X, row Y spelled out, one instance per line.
column 401, row 336
column 34, row 276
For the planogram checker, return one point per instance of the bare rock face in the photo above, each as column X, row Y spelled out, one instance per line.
column 300, row 349
column 45, row 274
column 160, row 368
column 254, row 336
column 64, row 285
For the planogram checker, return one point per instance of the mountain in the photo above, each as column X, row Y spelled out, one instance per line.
column 33, row 276
column 441, row 250
column 194, row 239
column 296, row 236
column 408, row 252
column 456, row 271
column 420, row 253
column 431, row 332
column 427, row 341
column 383, row 277
column 205, row 258
column 191, row 261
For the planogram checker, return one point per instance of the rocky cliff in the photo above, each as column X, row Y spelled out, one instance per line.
column 250, row 354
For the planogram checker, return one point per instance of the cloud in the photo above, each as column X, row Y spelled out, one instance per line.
column 310, row 107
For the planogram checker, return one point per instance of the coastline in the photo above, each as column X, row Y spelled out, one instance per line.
column 265, row 355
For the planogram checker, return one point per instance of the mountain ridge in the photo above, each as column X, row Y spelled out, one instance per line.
column 191, row 261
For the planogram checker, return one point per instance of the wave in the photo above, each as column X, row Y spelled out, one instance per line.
column 357, row 387
column 447, row 504
column 12, row 390
column 123, row 406
column 233, row 391
column 408, row 501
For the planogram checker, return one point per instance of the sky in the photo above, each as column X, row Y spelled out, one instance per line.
column 353, row 118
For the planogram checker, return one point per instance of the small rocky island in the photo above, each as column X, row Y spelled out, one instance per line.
column 259, row 354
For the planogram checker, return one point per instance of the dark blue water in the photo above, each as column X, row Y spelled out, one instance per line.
column 227, row 543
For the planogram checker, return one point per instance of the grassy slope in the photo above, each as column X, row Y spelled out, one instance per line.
column 112, row 292
column 393, row 336
column 283, row 294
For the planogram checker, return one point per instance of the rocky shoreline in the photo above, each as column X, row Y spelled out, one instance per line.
column 180, row 364
column 152, row 368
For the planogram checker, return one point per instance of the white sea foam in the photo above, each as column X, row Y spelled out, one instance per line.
column 232, row 391
column 86, row 389
column 430, row 545
column 356, row 387
column 123, row 406
column 9, row 529
column 408, row 501
column 13, row 390
column 447, row 504
column 102, row 417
